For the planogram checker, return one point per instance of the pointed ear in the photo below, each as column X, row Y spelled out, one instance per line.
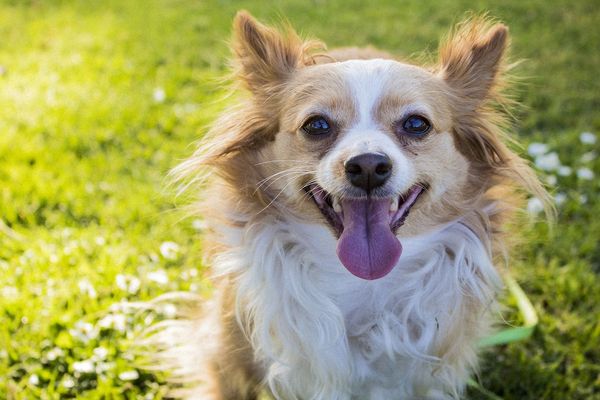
column 471, row 59
column 265, row 57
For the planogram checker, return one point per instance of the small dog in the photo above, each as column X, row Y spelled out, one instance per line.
column 355, row 206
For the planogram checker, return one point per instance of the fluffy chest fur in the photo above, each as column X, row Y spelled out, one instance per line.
column 320, row 332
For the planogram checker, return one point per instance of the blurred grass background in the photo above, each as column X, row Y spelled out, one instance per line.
column 99, row 99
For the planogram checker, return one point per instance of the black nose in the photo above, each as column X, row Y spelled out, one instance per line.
column 368, row 171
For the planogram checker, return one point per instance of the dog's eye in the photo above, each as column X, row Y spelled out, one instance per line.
column 316, row 126
column 416, row 125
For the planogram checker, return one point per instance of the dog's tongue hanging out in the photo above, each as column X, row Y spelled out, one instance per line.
column 367, row 247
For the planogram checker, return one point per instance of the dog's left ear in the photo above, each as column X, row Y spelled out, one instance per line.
column 471, row 60
column 266, row 57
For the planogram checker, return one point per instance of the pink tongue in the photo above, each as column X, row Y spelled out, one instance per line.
column 367, row 246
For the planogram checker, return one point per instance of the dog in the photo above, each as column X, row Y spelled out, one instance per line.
column 356, row 207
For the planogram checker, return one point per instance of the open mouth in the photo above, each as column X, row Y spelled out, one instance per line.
column 366, row 227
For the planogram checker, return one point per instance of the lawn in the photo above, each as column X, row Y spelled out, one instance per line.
column 99, row 99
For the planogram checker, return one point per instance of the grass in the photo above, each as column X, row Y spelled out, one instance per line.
column 98, row 100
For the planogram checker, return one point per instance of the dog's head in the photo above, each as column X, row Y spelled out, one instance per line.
column 373, row 149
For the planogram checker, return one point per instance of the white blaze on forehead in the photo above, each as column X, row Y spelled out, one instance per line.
column 368, row 81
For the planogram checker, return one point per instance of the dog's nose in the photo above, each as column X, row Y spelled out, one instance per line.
column 368, row 171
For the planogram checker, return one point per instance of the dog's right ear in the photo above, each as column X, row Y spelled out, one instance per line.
column 265, row 57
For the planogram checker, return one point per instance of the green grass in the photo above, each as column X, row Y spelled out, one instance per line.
column 86, row 142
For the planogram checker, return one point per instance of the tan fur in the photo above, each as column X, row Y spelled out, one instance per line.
column 246, row 141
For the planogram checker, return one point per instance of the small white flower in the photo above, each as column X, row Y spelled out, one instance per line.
column 551, row 179
column 84, row 367
column 159, row 95
column 537, row 149
column 34, row 380
column 9, row 291
column 119, row 322
column 129, row 283
column 115, row 321
column 102, row 367
column 535, row 206
column 134, row 285
column 84, row 331
column 100, row 241
column 129, row 375
column 86, row 287
column 548, row 162
column 560, row 198
column 169, row 250
column 100, row 353
column 585, row 173
column 159, row 276
column 583, row 199
column 589, row 156
column 587, row 138
column 54, row 353
column 68, row 382
column 121, row 281
column 563, row 170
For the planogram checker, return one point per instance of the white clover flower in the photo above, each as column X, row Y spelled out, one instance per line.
column 134, row 285
column 54, row 353
column 131, row 375
column 560, row 198
column 159, row 277
column 84, row 331
column 84, row 367
column 121, row 281
column 551, row 180
column 34, row 380
column 86, row 287
column 102, row 367
column 68, row 382
column 585, row 174
column 159, row 95
column 564, row 170
column 589, row 157
column 120, row 322
column 9, row 291
column 535, row 206
column 169, row 250
column 100, row 353
column 548, row 162
column 587, row 138
column 537, row 149
column 114, row 321
column 128, row 283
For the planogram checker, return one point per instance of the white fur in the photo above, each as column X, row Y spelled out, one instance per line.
column 367, row 81
column 322, row 333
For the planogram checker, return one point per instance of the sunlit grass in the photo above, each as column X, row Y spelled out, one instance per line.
column 99, row 101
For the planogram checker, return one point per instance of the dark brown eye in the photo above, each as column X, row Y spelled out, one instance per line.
column 416, row 125
column 316, row 126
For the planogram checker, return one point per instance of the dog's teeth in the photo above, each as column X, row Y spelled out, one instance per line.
column 336, row 205
column 394, row 205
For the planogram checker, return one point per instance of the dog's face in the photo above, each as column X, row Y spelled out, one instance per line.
column 371, row 144
column 375, row 150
